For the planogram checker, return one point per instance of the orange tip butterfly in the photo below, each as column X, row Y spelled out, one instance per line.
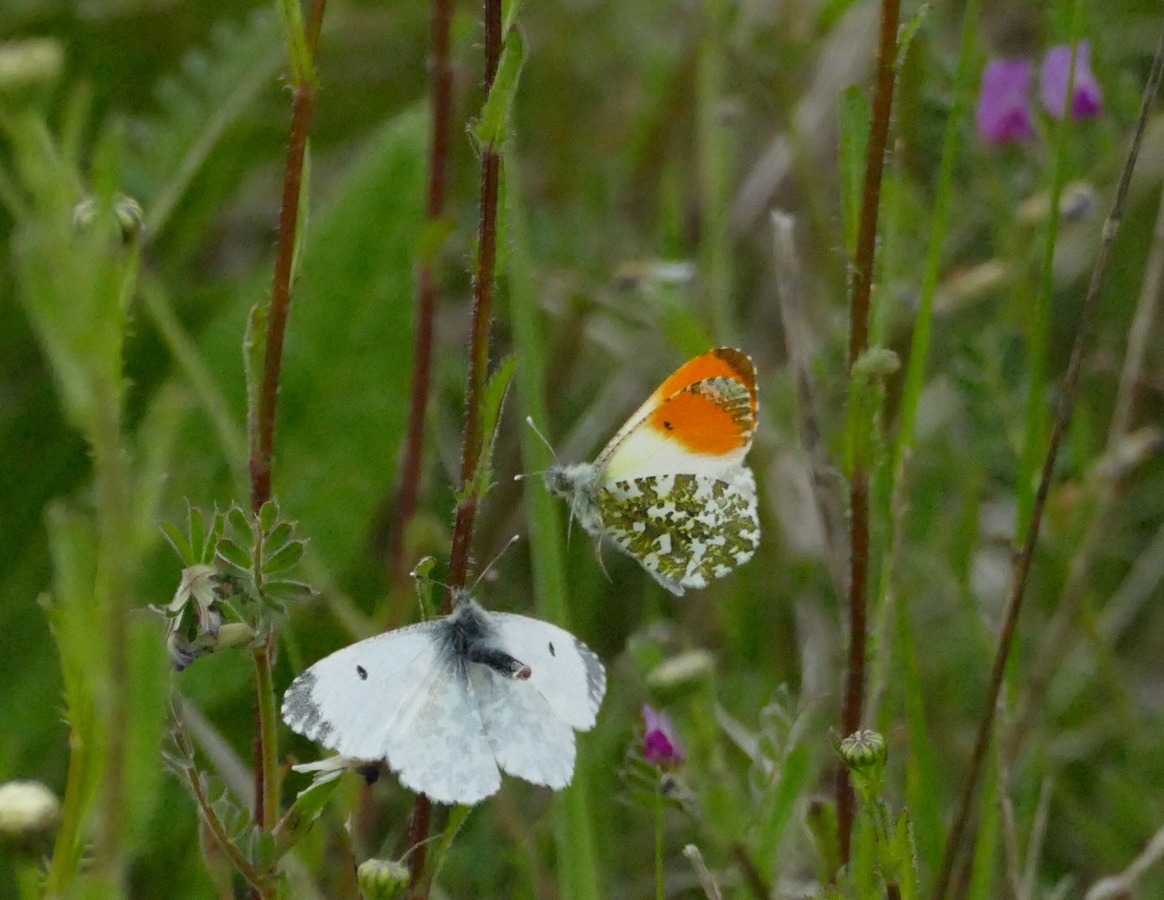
column 671, row 489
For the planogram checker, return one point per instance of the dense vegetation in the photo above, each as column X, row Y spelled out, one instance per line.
column 143, row 157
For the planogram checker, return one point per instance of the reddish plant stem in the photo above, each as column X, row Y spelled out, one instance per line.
column 863, row 265
column 262, row 427
column 1023, row 562
column 473, row 439
column 440, row 111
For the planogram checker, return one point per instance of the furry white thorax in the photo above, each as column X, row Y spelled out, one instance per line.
column 579, row 484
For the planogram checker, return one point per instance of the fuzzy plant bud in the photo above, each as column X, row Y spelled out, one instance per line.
column 681, row 674
column 29, row 69
column 382, row 879
column 127, row 212
column 661, row 745
column 864, row 751
column 29, row 812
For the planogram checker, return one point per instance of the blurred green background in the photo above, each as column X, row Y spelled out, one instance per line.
column 642, row 134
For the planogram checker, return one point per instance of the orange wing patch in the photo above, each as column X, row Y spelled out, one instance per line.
column 725, row 362
column 703, row 422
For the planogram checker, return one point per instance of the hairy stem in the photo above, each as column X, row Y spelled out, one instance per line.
column 473, row 439
column 262, row 430
column 863, row 264
column 1025, row 558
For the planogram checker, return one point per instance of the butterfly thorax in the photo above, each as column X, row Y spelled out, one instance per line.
column 580, row 484
column 474, row 639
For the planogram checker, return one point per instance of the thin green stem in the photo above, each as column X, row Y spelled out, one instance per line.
column 268, row 721
column 660, row 887
column 62, row 868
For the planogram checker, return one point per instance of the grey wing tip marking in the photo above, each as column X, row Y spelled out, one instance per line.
column 301, row 711
column 595, row 673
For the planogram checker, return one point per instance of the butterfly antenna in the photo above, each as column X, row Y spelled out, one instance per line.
column 424, row 583
column 523, row 475
column 500, row 553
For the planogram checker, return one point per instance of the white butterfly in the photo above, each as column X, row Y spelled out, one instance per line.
column 449, row 702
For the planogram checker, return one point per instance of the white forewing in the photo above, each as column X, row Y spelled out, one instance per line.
column 563, row 670
column 349, row 701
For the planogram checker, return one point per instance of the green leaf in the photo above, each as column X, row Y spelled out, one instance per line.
column 284, row 559
column 495, row 391
column 254, row 354
column 235, row 555
column 216, row 87
column 348, row 357
column 240, row 523
column 278, row 537
column 905, row 857
column 492, row 128
column 269, row 515
column 855, row 126
column 181, row 546
column 197, row 531
column 286, row 590
column 303, row 812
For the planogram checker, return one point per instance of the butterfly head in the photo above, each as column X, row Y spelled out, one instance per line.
column 579, row 485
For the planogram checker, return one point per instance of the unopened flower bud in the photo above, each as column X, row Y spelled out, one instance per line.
column 863, row 750
column 234, row 634
column 27, row 809
column 382, row 879
column 680, row 674
column 28, row 70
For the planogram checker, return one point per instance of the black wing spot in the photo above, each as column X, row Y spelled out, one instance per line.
column 668, row 425
column 362, row 672
column 552, row 653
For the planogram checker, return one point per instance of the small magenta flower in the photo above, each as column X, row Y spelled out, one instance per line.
column 661, row 747
column 1087, row 98
column 1004, row 113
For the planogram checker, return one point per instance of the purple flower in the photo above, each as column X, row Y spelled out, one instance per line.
column 660, row 745
column 1087, row 99
column 1004, row 113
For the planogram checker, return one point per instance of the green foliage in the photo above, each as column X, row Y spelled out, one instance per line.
column 140, row 171
column 492, row 129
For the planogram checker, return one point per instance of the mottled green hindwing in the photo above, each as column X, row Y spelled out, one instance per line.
column 684, row 529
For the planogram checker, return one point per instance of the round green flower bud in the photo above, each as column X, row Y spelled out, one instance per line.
column 382, row 879
column 863, row 750
column 234, row 634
